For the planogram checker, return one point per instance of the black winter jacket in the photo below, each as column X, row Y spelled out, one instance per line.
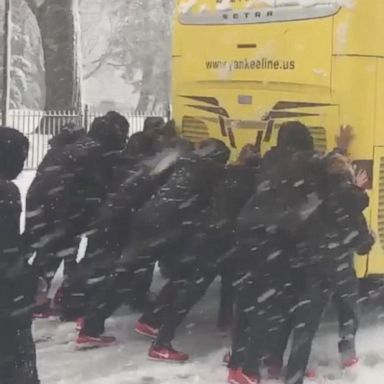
column 18, row 283
column 182, row 198
column 69, row 187
column 339, row 228
column 286, row 192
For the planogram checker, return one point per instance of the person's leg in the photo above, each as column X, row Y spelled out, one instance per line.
column 345, row 299
column 268, row 322
column 241, row 325
column 186, row 295
column 192, row 274
column 306, row 320
column 17, row 353
column 46, row 263
column 275, row 359
column 227, row 294
column 142, row 282
column 108, row 280
column 154, row 316
column 8, row 348
column 294, row 288
column 72, row 303
column 107, row 296
column 26, row 369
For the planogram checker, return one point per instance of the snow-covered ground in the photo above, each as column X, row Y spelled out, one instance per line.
column 126, row 363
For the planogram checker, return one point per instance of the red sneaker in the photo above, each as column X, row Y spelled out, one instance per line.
column 79, row 324
column 167, row 354
column 43, row 315
column 274, row 373
column 232, row 375
column 311, row 374
column 227, row 358
column 46, row 312
column 350, row 363
column 146, row 330
column 90, row 342
column 239, row 377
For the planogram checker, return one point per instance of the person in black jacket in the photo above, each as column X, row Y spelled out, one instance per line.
column 267, row 227
column 204, row 256
column 334, row 234
column 158, row 137
column 158, row 228
column 172, row 213
column 18, row 283
column 68, row 134
column 150, row 136
column 138, row 178
column 67, row 191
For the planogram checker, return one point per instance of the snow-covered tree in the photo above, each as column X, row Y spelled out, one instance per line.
column 139, row 46
column 26, row 62
column 142, row 44
column 58, row 22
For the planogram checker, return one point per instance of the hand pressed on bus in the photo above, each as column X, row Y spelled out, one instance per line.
column 362, row 179
column 345, row 138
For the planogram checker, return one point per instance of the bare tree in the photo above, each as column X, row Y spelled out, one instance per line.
column 58, row 22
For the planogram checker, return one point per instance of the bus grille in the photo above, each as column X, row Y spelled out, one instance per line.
column 380, row 216
column 194, row 129
column 320, row 138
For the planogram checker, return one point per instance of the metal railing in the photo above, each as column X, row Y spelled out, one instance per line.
column 41, row 126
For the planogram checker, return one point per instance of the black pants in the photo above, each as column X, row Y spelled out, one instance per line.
column 346, row 293
column 227, row 271
column 262, row 315
column 306, row 320
column 180, row 267
column 265, row 298
column 17, row 354
column 109, row 292
column 133, row 272
column 191, row 274
column 129, row 279
column 48, row 260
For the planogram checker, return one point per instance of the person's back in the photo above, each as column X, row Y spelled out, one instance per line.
column 66, row 194
column 60, row 188
column 267, row 229
column 339, row 228
column 68, row 134
column 186, row 191
column 325, row 263
column 74, row 180
column 285, row 193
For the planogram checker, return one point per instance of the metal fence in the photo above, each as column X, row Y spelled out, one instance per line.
column 41, row 126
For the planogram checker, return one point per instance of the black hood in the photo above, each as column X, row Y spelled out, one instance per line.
column 69, row 134
column 214, row 149
column 14, row 148
column 295, row 136
column 108, row 134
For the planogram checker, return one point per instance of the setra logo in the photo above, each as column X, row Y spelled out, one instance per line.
column 226, row 15
column 260, row 13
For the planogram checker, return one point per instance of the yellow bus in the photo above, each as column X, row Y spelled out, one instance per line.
column 242, row 67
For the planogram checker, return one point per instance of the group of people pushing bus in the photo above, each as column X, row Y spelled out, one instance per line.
column 280, row 230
